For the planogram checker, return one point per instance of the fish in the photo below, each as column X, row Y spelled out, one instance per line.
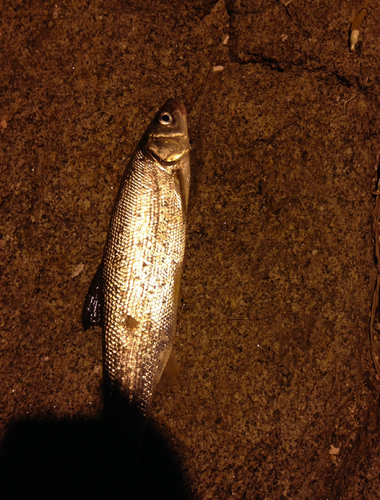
column 135, row 291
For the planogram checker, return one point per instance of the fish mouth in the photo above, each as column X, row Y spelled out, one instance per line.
column 181, row 107
column 174, row 105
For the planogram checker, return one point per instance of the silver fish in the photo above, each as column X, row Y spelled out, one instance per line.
column 139, row 278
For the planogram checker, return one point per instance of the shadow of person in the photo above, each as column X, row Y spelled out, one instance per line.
column 72, row 458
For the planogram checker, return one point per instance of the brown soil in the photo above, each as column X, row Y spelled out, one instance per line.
column 278, row 396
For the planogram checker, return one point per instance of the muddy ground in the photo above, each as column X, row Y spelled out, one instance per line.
column 278, row 397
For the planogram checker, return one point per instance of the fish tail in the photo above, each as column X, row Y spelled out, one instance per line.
column 124, row 426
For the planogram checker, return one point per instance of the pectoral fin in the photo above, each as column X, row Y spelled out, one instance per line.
column 92, row 314
column 184, row 181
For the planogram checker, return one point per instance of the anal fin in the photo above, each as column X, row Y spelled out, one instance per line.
column 170, row 375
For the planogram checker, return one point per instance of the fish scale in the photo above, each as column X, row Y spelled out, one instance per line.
column 143, row 258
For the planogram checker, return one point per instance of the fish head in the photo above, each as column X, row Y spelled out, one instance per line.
column 168, row 139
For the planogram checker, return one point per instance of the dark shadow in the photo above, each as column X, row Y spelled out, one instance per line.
column 72, row 459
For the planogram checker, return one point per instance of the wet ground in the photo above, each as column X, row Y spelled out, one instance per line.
column 278, row 397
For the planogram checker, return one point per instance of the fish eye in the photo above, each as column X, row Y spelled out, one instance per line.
column 165, row 118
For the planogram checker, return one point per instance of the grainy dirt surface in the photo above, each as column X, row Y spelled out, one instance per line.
column 278, row 397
